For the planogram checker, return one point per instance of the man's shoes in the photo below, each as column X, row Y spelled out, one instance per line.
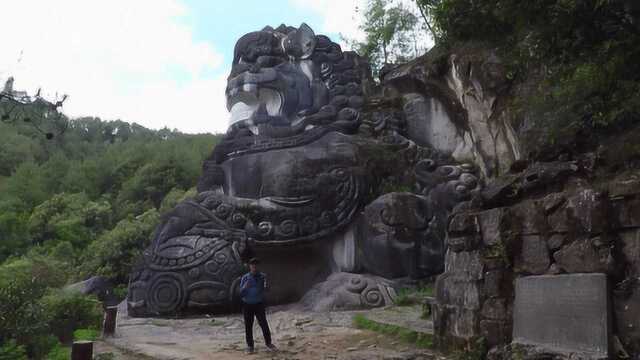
column 250, row 350
column 272, row 347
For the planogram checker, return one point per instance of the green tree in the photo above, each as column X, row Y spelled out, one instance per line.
column 23, row 282
column 69, row 218
column 575, row 59
column 28, row 184
column 389, row 28
column 114, row 253
column 427, row 10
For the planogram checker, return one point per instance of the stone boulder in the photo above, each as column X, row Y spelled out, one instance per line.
column 99, row 286
column 346, row 291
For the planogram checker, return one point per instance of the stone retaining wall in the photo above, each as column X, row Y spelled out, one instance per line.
column 567, row 225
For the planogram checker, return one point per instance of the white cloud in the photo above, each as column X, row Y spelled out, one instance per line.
column 133, row 60
column 339, row 16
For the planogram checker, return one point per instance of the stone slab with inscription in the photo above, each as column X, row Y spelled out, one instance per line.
column 563, row 313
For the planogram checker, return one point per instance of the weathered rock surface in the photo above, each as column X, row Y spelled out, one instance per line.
column 451, row 104
column 345, row 291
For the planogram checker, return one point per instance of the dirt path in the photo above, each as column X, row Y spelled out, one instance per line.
column 298, row 336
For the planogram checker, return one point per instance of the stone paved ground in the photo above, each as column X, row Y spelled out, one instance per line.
column 298, row 335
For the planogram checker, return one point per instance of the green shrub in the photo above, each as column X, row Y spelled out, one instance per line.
column 113, row 254
column 12, row 351
column 68, row 311
column 59, row 352
column 23, row 282
column 40, row 345
column 86, row 335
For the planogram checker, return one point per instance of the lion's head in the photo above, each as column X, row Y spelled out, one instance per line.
column 287, row 80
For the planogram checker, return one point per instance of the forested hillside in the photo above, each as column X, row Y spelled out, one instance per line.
column 81, row 204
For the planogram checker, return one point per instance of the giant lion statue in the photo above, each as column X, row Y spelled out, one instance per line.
column 316, row 177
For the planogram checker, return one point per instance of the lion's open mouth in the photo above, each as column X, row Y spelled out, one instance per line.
column 246, row 106
column 255, row 98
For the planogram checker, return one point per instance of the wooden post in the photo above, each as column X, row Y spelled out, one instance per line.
column 109, row 324
column 82, row 350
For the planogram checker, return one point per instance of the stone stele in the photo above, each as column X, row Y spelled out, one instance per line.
column 563, row 313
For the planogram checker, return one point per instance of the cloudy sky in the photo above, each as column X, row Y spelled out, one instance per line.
column 155, row 62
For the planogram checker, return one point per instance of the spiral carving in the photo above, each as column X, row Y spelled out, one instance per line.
column 223, row 211
column 356, row 285
column 166, row 294
column 220, row 258
column 288, row 228
column 373, row 297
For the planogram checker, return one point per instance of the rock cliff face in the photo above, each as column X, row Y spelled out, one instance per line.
column 567, row 215
column 454, row 104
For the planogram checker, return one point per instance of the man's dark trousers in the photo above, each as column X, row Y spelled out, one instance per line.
column 257, row 310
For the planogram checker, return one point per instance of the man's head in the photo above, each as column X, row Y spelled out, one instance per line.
column 253, row 265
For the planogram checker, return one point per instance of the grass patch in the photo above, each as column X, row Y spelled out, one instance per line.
column 59, row 352
column 421, row 340
column 413, row 296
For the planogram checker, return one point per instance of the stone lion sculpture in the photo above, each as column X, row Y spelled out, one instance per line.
column 315, row 177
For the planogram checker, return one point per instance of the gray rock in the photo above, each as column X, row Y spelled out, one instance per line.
column 459, row 292
column 429, row 124
column 627, row 213
column 345, row 291
column 99, row 286
column 556, row 241
column 581, row 256
column 530, row 217
column 455, row 323
column 491, row 225
column 463, row 232
column 467, row 264
column 533, row 257
column 591, row 209
column 495, row 332
column 630, row 241
column 626, row 310
column 498, row 283
column 496, row 309
column 625, row 186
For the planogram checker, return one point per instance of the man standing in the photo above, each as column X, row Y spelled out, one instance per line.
column 252, row 287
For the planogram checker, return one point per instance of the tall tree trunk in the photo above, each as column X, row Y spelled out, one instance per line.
column 426, row 22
